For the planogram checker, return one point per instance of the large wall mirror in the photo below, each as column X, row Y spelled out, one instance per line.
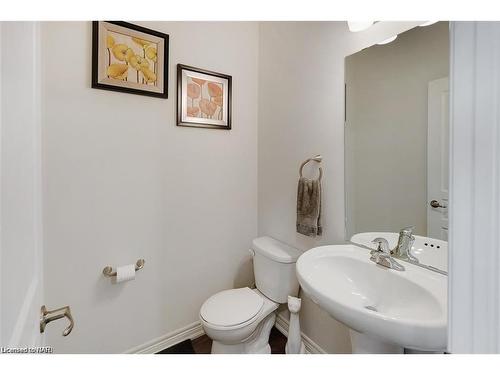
column 396, row 134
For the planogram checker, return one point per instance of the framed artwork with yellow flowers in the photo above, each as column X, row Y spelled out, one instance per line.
column 203, row 98
column 129, row 58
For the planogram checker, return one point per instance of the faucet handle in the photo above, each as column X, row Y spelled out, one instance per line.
column 382, row 245
column 407, row 230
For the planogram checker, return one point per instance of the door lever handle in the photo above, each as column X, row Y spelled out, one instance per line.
column 435, row 204
column 47, row 316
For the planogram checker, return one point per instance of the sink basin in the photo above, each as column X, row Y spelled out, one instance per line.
column 387, row 310
column 428, row 250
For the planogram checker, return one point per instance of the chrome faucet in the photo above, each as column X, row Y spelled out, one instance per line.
column 383, row 256
column 405, row 242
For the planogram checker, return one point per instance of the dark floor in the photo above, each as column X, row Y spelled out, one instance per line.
column 203, row 345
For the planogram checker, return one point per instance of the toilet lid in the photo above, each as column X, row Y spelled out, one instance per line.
column 231, row 307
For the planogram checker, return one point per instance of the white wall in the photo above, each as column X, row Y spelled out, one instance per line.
column 386, row 129
column 301, row 113
column 122, row 182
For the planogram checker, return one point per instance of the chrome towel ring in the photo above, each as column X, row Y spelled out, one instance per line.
column 317, row 159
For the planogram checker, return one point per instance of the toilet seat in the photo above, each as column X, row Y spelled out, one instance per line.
column 230, row 308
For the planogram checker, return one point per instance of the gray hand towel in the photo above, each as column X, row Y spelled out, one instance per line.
column 309, row 207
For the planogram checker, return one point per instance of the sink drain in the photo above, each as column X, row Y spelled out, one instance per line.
column 372, row 308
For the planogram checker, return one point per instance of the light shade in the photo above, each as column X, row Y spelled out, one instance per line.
column 356, row 26
column 428, row 23
column 388, row 40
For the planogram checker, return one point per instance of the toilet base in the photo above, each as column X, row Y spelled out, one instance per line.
column 257, row 343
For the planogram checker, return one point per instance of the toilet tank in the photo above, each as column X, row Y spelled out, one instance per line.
column 274, row 268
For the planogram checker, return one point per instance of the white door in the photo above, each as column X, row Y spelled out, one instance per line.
column 21, row 256
column 437, row 159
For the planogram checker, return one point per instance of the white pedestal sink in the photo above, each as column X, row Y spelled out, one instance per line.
column 387, row 310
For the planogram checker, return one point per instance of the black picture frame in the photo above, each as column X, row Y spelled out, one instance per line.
column 180, row 122
column 95, row 56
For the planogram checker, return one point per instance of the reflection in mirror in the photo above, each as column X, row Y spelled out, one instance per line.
column 396, row 135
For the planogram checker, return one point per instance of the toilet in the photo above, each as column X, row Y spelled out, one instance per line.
column 240, row 320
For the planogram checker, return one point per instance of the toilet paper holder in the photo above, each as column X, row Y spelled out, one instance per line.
column 108, row 270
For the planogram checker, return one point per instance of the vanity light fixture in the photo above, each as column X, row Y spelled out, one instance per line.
column 428, row 23
column 355, row 26
column 388, row 40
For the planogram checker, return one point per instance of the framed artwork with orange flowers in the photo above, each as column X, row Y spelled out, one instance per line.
column 129, row 58
column 203, row 98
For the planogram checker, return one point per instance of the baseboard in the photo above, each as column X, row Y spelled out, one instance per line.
column 195, row 330
column 189, row 332
column 311, row 347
